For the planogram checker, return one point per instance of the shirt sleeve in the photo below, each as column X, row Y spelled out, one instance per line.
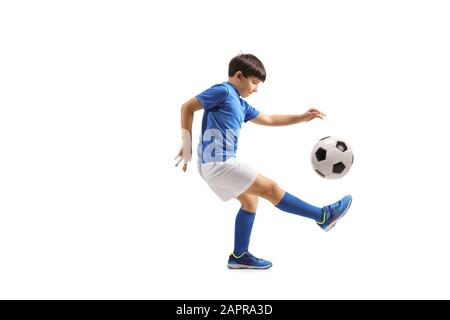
column 250, row 112
column 213, row 96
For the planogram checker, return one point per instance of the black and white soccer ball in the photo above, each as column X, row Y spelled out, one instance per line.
column 332, row 158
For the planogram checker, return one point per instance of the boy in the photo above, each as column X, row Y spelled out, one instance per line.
column 224, row 113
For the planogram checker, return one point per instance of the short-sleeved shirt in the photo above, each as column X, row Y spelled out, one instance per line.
column 225, row 111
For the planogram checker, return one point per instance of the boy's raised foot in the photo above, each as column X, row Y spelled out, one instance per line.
column 334, row 212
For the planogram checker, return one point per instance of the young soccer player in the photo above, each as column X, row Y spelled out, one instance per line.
column 224, row 112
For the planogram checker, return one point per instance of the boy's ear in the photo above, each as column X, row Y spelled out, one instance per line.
column 239, row 75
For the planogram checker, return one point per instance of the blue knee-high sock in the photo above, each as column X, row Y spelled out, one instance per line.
column 294, row 205
column 242, row 231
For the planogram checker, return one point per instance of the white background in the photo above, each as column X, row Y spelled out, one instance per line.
column 92, row 207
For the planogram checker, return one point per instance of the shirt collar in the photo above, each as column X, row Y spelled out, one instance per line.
column 236, row 90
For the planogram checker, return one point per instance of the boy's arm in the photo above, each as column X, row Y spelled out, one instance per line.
column 187, row 117
column 286, row 119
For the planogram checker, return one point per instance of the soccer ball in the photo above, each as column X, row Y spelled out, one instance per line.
column 332, row 158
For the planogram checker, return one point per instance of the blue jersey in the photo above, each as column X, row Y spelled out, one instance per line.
column 225, row 111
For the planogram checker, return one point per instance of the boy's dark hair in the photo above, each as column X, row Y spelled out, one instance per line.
column 249, row 65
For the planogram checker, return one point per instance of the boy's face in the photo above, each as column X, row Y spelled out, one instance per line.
column 247, row 85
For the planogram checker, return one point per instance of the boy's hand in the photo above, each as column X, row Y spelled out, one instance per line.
column 185, row 152
column 312, row 114
column 181, row 156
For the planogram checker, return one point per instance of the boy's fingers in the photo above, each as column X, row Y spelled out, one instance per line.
column 185, row 167
column 318, row 115
column 178, row 162
column 318, row 111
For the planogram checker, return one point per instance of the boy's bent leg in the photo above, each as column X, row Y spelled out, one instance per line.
column 283, row 200
column 267, row 189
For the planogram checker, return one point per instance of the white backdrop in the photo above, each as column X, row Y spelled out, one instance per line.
column 91, row 206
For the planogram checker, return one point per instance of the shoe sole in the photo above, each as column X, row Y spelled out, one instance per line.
column 342, row 215
column 243, row 266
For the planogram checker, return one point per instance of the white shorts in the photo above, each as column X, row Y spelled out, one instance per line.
column 227, row 179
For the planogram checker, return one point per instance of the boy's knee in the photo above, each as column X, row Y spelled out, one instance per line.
column 249, row 203
column 271, row 189
column 272, row 192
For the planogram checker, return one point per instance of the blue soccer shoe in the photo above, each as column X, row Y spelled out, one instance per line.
column 334, row 212
column 247, row 261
